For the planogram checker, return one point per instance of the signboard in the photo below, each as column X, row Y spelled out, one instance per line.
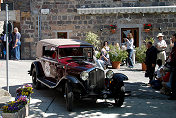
column 10, row 6
column 45, row 11
column 12, row 15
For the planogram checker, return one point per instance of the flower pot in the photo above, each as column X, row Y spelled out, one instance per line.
column 116, row 65
column 10, row 115
column 22, row 113
column 144, row 67
column 113, row 31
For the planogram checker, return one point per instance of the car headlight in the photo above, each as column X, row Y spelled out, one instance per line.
column 109, row 74
column 84, row 75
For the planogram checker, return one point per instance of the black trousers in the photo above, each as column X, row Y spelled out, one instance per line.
column 173, row 83
column 10, row 48
column 150, row 72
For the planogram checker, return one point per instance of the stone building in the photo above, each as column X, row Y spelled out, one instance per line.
column 41, row 19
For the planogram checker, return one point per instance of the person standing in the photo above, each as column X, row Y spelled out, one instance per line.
column 17, row 43
column 172, row 61
column 129, row 42
column 107, row 48
column 161, row 48
column 150, row 61
column 105, row 54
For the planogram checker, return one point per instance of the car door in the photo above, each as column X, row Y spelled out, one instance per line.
column 49, row 63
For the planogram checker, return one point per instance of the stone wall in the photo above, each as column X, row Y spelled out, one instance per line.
column 63, row 17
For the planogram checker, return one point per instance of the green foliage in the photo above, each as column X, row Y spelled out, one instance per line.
column 98, row 55
column 149, row 39
column 141, row 53
column 116, row 54
column 92, row 38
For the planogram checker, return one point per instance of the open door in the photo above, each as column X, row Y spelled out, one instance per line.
column 135, row 33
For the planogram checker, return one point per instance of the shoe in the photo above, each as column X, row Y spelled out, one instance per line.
column 130, row 67
column 172, row 98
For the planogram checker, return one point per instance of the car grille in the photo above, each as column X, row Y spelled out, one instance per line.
column 96, row 80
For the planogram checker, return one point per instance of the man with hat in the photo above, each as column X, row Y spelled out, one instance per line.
column 161, row 47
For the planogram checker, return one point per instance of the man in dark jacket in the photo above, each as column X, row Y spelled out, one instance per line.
column 172, row 78
column 151, row 57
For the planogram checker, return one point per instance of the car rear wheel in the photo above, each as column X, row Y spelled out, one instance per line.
column 36, row 84
column 119, row 98
column 69, row 96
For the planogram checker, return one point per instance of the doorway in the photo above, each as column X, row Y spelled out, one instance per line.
column 62, row 35
column 135, row 33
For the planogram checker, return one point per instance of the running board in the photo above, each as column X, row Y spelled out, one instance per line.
column 47, row 82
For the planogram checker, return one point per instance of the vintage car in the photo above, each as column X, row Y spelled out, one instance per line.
column 68, row 65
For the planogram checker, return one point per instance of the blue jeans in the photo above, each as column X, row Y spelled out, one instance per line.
column 130, row 54
column 17, row 52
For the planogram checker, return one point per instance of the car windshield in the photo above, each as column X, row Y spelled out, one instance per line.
column 77, row 52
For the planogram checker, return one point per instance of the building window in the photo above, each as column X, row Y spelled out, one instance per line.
column 62, row 35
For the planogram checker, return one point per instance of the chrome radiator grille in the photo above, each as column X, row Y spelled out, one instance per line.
column 96, row 79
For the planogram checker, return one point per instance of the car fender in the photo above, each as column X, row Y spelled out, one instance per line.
column 72, row 80
column 120, row 77
column 37, row 65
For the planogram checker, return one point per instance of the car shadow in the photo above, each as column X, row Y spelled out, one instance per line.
column 50, row 103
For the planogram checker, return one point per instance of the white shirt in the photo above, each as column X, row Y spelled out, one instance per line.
column 107, row 50
column 161, row 43
column 130, row 43
column 158, row 72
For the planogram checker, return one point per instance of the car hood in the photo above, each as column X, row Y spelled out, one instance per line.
column 78, row 64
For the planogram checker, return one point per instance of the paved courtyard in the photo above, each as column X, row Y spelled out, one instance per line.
column 144, row 102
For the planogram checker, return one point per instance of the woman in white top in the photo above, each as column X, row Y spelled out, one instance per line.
column 105, row 53
column 129, row 42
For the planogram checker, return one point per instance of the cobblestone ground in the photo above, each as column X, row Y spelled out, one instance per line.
column 144, row 102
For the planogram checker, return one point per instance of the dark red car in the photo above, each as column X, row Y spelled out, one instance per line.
column 68, row 65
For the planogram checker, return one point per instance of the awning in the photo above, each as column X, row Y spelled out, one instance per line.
column 109, row 10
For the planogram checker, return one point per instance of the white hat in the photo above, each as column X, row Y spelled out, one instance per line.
column 160, row 34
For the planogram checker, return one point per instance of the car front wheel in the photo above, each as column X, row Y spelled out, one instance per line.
column 36, row 84
column 69, row 96
column 119, row 97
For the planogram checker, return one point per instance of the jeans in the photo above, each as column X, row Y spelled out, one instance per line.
column 17, row 52
column 130, row 54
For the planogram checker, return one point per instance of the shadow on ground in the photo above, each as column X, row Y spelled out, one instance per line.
column 144, row 102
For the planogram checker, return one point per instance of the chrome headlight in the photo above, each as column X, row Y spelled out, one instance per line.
column 84, row 75
column 109, row 74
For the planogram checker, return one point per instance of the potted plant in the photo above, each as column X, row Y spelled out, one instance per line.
column 113, row 29
column 20, row 107
column 141, row 55
column 147, row 27
column 26, row 90
column 116, row 56
column 16, row 109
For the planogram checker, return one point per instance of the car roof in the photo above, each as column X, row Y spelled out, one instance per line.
column 62, row 42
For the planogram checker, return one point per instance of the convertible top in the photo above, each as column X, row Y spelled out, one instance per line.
column 62, row 42
column 59, row 43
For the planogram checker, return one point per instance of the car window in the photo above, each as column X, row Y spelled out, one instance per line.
column 49, row 52
column 78, row 51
